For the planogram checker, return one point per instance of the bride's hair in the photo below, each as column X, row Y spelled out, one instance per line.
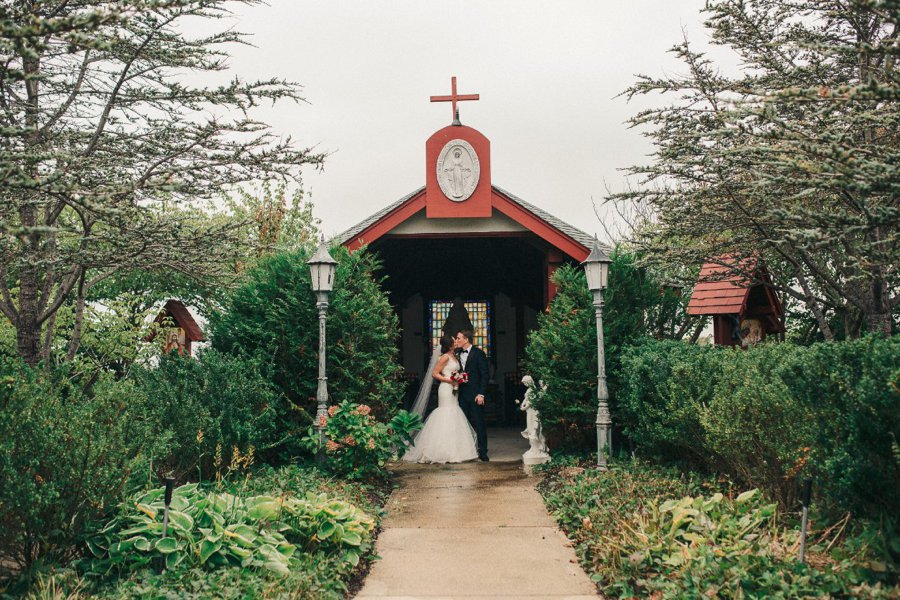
column 446, row 343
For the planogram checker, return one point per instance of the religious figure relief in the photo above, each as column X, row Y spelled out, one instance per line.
column 751, row 332
column 458, row 170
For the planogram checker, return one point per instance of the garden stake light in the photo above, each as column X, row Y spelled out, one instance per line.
column 804, row 500
column 170, row 483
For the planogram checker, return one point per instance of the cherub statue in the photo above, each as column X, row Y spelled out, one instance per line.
column 533, row 432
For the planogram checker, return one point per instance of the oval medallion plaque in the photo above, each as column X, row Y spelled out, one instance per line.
column 458, row 170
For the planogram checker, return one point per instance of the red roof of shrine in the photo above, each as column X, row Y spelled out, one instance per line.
column 566, row 238
column 724, row 287
column 182, row 317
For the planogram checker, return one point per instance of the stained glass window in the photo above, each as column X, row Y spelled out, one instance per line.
column 479, row 314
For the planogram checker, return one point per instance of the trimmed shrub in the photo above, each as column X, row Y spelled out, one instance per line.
column 774, row 415
column 65, row 457
column 562, row 352
column 273, row 318
column 663, row 389
column 213, row 414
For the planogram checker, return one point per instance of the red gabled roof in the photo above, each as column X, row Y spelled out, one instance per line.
column 721, row 290
column 182, row 317
column 568, row 239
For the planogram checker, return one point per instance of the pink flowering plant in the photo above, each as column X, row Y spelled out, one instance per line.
column 357, row 445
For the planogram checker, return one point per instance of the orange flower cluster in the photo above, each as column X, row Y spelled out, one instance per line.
column 363, row 409
column 332, row 446
column 349, row 440
column 332, row 410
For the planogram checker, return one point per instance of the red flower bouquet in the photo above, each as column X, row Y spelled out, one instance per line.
column 458, row 377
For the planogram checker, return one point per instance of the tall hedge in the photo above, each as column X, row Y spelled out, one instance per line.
column 773, row 415
column 562, row 351
column 273, row 318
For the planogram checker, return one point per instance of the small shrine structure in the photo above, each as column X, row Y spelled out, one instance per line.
column 738, row 295
column 183, row 331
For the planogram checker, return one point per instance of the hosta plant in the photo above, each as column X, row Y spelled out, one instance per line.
column 212, row 529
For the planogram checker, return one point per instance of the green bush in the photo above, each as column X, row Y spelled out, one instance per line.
column 562, row 351
column 357, row 446
column 213, row 413
column 65, row 457
column 774, row 415
column 663, row 390
column 273, row 318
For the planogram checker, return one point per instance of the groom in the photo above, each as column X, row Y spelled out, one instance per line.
column 471, row 395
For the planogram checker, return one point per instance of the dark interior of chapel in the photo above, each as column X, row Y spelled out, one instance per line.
column 507, row 272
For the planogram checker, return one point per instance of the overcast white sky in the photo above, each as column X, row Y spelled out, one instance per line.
column 547, row 72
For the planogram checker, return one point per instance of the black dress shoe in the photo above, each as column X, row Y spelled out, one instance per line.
column 484, row 458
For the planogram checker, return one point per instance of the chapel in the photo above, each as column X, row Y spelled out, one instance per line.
column 460, row 238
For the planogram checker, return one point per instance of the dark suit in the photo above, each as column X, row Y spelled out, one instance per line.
column 477, row 368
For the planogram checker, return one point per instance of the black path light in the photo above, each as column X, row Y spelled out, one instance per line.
column 322, row 267
column 596, row 268
column 805, row 496
column 167, row 501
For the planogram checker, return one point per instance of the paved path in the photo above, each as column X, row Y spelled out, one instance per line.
column 474, row 530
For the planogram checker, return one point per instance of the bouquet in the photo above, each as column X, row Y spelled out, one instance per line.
column 458, row 377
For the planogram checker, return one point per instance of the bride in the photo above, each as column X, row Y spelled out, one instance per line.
column 447, row 435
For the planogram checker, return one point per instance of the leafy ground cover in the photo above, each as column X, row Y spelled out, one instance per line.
column 642, row 531
column 291, row 532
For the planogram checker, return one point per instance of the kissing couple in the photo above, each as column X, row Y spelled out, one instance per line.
column 448, row 435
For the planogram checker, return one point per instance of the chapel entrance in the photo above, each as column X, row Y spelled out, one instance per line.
column 500, row 280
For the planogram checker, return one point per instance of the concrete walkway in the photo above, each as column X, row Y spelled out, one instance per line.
column 473, row 530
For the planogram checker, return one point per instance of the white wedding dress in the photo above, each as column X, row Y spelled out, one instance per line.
column 447, row 436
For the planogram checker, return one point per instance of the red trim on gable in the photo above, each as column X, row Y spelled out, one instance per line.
column 511, row 209
column 388, row 222
column 538, row 226
column 183, row 319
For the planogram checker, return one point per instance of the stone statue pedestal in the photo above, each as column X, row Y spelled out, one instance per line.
column 532, row 458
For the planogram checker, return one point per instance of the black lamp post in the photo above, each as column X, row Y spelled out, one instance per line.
column 596, row 268
column 322, row 267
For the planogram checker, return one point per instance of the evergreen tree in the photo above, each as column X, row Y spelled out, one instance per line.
column 794, row 160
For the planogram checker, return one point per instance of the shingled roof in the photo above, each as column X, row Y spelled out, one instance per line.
column 724, row 286
column 576, row 234
column 354, row 231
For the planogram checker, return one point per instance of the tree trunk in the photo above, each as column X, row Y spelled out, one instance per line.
column 28, row 329
column 75, row 342
column 698, row 330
